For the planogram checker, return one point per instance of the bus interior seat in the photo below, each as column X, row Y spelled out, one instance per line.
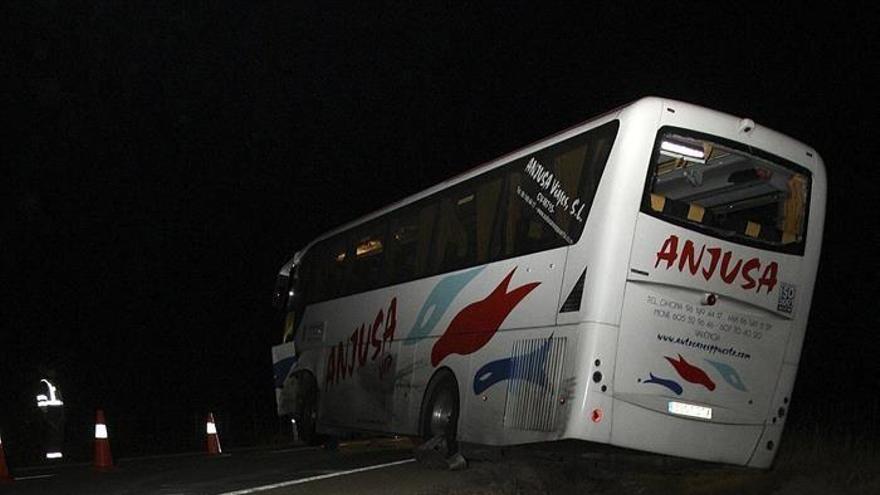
column 753, row 229
column 690, row 211
column 696, row 213
column 769, row 233
column 658, row 202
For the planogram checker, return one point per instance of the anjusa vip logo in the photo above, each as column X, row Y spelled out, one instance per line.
column 714, row 262
column 343, row 360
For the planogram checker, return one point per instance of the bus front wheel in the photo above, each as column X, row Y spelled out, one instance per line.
column 307, row 411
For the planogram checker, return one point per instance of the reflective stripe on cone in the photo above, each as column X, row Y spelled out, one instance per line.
column 213, row 440
column 103, row 456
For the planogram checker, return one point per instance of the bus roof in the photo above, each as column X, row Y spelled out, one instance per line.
column 645, row 104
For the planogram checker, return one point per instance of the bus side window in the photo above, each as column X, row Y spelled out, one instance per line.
column 568, row 168
column 525, row 231
column 336, row 262
column 318, row 273
column 367, row 270
column 403, row 246
column 454, row 241
column 598, row 150
column 488, row 207
column 549, row 194
column 427, row 224
column 512, row 212
column 442, row 237
column 409, row 243
column 304, row 285
column 465, row 215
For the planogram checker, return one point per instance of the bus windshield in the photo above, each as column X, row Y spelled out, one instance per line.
column 728, row 191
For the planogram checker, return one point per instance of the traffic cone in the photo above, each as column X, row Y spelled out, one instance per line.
column 103, row 457
column 213, row 438
column 5, row 477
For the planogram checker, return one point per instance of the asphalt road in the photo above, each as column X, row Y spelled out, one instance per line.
column 386, row 466
column 201, row 474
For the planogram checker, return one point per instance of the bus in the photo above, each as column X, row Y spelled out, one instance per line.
column 642, row 279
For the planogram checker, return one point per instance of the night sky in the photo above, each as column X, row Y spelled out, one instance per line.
column 161, row 162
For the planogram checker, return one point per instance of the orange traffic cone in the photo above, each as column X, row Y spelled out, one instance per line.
column 103, row 457
column 5, row 477
column 213, row 438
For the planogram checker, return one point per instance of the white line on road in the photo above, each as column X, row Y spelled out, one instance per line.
column 33, row 477
column 315, row 478
column 294, row 449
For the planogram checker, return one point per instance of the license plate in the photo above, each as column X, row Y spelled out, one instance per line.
column 691, row 410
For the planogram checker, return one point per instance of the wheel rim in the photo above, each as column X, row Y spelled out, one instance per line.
column 442, row 411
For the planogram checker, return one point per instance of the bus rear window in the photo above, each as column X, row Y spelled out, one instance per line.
column 728, row 191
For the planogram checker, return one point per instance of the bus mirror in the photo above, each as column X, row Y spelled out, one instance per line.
column 291, row 299
column 279, row 297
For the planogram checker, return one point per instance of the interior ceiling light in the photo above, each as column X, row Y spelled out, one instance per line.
column 682, row 150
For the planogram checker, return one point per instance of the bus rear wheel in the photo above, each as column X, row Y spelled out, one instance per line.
column 440, row 415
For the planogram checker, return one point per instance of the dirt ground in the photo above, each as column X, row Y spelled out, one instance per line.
column 567, row 468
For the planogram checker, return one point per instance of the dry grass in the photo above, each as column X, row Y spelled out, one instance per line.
column 833, row 446
column 826, row 449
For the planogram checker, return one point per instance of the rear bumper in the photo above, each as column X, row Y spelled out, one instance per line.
column 641, row 428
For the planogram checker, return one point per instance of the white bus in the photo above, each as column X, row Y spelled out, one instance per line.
column 642, row 279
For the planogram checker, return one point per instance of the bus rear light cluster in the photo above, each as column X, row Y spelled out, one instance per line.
column 596, row 415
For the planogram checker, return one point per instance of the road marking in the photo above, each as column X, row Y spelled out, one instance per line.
column 34, row 477
column 316, row 478
column 293, row 449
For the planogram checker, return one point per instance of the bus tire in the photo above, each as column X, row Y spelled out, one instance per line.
column 440, row 413
column 307, row 411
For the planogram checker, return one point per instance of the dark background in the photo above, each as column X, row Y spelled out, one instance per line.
column 161, row 162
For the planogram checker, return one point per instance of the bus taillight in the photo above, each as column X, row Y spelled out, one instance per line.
column 596, row 415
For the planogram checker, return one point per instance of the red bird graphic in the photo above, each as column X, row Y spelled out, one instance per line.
column 691, row 373
column 474, row 326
